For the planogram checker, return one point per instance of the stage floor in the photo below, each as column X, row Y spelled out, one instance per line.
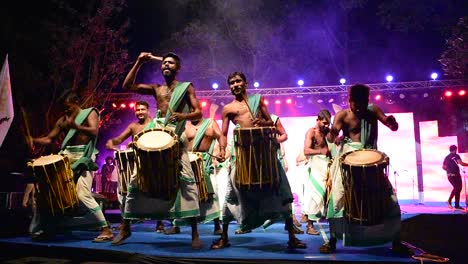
column 261, row 245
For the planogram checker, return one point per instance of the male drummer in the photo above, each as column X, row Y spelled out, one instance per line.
column 176, row 103
column 81, row 128
column 202, row 135
column 359, row 126
column 317, row 153
column 144, row 122
column 251, row 208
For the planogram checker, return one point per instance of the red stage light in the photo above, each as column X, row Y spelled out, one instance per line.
column 378, row 97
column 132, row 105
column 122, row 105
column 277, row 102
column 461, row 92
column 448, row 93
column 203, row 104
column 289, row 101
column 265, row 101
column 114, row 105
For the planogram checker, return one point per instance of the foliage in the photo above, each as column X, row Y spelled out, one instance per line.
column 454, row 60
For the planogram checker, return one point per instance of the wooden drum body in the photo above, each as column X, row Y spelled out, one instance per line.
column 158, row 162
column 125, row 160
column 198, row 167
column 256, row 158
column 365, row 182
column 57, row 190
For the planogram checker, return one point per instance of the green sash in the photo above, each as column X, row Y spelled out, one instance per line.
column 201, row 133
column 254, row 102
column 366, row 132
column 174, row 103
column 150, row 125
column 85, row 162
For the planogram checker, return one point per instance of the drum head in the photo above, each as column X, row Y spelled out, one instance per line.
column 364, row 157
column 154, row 140
column 45, row 160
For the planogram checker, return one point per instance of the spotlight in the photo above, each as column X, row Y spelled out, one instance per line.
column 300, row 82
column 402, row 96
column 389, row 78
column 277, row 102
column 426, row 95
column 378, row 97
column 215, row 86
column 448, row 93
column 342, row 81
column 122, row 105
column 330, row 100
column 434, row 76
column 289, row 101
column 203, row 104
column 461, row 92
column 319, row 101
column 131, row 105
column 265, row 101
column 256, row 84
column 114, row 105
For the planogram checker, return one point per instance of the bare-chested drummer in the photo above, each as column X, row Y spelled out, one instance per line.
column 251, row 208
column 176, row 103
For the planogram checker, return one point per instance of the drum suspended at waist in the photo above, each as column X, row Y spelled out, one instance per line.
column 158, row 162
column 366, row 186
column 57, row 190
column 256, row 158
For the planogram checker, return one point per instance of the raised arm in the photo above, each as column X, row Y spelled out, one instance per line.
column 90, row 128
column 388, row 121
column 110, row 144
column 129, row 82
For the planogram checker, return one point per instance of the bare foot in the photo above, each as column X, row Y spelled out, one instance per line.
column 196, row 243
column 220, row 243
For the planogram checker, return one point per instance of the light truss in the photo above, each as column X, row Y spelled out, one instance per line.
column 316, row 90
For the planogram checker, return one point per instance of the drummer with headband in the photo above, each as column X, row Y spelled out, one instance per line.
column 359, row 125
column 81, row 126
column 176, row 103
column 251, row 208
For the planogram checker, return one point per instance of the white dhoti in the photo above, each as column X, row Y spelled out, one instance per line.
column 314, row 187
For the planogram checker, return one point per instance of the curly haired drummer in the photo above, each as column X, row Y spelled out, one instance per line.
column 81, row 128
column 176, row 102
column 251, row 207
column 359, row 125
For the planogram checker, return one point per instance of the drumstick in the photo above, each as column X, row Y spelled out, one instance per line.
column 26, row 127
column 217, row 157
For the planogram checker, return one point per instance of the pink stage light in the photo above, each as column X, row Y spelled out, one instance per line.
column 378, row 97
column 265, row 101
column 277, row 102
column 461, row 92
column 114, row 105
column 122, row 105
column 448, row 93
column 203, row 104
column 289, row 101
column 131, row 105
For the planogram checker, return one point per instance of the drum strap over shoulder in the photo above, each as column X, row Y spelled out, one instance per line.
column 85, row 162
column 176, row 99
column 254, row 102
